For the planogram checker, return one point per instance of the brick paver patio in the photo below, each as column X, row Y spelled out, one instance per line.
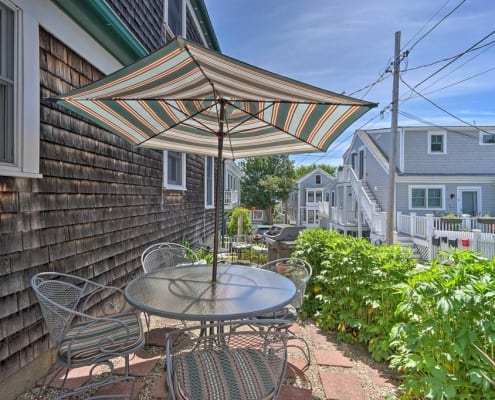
column 334, row 373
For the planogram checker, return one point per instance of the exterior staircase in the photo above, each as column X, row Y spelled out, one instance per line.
column 405, row 241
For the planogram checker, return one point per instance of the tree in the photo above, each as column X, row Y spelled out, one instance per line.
column 267, row 180
column 305, row 169
column 233, row 225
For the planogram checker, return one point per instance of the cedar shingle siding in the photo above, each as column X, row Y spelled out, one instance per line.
column 99, row 204
column 144, row 19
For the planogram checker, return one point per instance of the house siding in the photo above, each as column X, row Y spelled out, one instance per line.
column 376, row 178
column 144, row 19
column 99, row 204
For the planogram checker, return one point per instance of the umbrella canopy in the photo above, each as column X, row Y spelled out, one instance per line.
column 187, row 98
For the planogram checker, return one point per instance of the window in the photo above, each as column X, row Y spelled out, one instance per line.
column 174, row 170
column 437, row 143
column 426, row 198
column 332, row 201
column 318, row 179
column 6, row 85
column 19, row 93
column 314, row 196
column 487, row 138
column 209, row 185
column 312, row 217
column 174, row 16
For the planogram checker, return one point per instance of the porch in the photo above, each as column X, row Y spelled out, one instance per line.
column 431, row 234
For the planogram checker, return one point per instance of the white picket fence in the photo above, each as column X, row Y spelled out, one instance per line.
column 434, row 234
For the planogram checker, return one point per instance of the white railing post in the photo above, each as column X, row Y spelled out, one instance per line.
column 429, row 235
column 412, row 227
column 476, row 239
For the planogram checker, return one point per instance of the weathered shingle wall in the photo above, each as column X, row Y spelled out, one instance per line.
column 144, row 19
column 99, row 204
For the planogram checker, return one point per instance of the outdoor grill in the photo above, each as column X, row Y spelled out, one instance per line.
column 280, row 240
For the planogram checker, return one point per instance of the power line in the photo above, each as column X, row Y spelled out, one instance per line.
column 446, row 59
column 454, row 59
column 461, row 81
column 440, row 108
column 438, row 23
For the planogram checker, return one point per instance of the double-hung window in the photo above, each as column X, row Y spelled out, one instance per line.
column 437, row 143
column 174, row 166
column 426, row 197
column 209, row 179
column 19, row 92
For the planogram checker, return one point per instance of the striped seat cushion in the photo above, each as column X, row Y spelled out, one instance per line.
column 242, row 374
column 90, row 340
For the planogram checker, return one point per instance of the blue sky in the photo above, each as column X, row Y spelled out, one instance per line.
column 344, row 46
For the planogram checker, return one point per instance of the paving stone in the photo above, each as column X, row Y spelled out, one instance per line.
column 77, row 377
column 293, row 393
column 294, row 368
column 160, row 388
column 156, row 337
column 332, row 358
column 382, row 379
column 341, row 386
column 121, row 388
column 141, row 364
column 318, row 336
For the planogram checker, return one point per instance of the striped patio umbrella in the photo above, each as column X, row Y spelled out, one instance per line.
column 187, row 98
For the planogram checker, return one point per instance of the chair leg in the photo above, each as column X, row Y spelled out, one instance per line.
column 306, row 350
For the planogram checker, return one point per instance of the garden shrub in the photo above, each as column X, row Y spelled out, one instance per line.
column 447, row 310
column 351, row 292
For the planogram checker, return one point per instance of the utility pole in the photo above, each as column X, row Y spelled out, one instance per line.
column 389, row 237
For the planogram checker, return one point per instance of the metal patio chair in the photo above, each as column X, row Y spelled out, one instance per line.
column 84, row 339
column 229, row 361
column 165, row 255
column 298, row 271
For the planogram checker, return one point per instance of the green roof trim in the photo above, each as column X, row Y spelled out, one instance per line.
column 203, row 15
column 98, row 19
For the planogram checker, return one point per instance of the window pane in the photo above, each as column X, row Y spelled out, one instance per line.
column 175, row 16
column 436, row 143
column 434, row 198
column 418, row 199
column 318, row 179
column 6, row 85
column 318, row 197
column 209, row 181
column 311, row 197
column 174, row 168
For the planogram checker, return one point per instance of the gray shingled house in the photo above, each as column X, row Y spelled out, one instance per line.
column 73, row 197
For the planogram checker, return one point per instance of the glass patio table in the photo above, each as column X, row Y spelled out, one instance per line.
column 187, row 292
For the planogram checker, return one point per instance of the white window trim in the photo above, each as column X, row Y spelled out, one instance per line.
column 437, row 133
column 165, row 173
column 314, row 190
column 26, row 97
column 208, row 206
column 426, row 187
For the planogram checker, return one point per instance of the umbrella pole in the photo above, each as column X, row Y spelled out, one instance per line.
column 218, row 187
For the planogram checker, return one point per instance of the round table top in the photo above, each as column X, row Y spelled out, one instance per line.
column 187, row 292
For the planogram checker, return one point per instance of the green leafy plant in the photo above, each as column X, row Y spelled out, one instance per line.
column 446, row 311
column 232, row 226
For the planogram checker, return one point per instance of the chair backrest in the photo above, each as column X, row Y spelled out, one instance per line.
column 166, row 255
column 58, row 295
column 297, row 270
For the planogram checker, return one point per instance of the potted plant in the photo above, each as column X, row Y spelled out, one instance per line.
column 451, row 218
column 486, row 218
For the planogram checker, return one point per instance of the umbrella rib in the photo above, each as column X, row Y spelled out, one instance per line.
column 191, row 117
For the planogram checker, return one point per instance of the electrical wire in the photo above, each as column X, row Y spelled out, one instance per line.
column 454, row 59
column 438, row 23
column 441, row 108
